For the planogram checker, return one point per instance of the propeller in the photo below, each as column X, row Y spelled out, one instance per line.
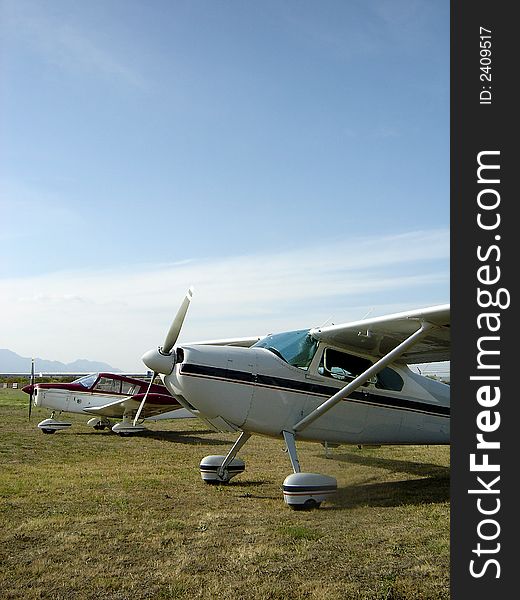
column 175, row 327
column 32, row 388
column 161, row 360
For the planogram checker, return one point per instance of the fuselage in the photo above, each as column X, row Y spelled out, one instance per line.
column 257, row 390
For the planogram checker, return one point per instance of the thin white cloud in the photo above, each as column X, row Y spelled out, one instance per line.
column 395, row 13
column 116, row 315
column 55, row 38
column 27, row 211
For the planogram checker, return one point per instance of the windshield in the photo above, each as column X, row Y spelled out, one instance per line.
column 86, row 381
column 295, row 347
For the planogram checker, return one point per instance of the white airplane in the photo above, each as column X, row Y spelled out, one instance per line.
column 346, row 383
column 105, row 395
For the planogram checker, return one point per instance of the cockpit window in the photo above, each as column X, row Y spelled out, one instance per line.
column 295, row 347
column 86, row 381
column 105, row 384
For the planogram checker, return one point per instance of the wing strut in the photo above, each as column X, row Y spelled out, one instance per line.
column 143, row 401
column 361, row 379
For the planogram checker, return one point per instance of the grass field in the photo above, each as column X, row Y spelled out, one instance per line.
column 89, row 514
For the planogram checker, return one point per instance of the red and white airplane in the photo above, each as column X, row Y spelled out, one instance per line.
column 347, row 383
column 105, row 396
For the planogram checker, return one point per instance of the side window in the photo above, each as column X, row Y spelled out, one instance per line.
column 388, row 379
column 105, row 384
column 129, row 389
column 342, row 366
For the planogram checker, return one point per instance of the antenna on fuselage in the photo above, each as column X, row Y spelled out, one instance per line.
column 325, row 322
column 369, row 312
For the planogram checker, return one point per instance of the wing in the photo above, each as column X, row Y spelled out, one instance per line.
column 156, row 404
column 379, row 335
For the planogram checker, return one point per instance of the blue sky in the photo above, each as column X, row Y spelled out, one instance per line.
column 203, row 142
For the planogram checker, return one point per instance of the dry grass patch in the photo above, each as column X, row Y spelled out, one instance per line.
column 91, row 515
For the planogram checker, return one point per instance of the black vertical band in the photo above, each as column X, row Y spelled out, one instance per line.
column 484, row 132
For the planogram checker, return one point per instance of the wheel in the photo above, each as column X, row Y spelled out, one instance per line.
column 220, row 480
column 216, row 481
column 49, row 430
column 210, row 467
column 309, row 504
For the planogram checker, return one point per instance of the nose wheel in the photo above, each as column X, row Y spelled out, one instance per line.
column 212, row 472
column 217, row 469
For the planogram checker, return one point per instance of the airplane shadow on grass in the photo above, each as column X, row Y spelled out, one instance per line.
column 428, row 490
column 432, row 486
column 185, row 437
column 391, row 464
column 177, row 437
column 435, row 490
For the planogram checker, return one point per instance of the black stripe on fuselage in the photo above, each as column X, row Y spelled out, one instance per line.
column 292, row 385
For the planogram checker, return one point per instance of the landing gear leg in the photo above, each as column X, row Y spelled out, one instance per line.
column 217, row 469
column 232, row 453
column 291, row 449
column 303, row 491
column 327, row 450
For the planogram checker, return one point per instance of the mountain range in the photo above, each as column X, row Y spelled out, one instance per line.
column 10, row 362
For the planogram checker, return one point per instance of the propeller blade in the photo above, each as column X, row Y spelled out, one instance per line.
column 143, row 401
column 32, row 388
column 175, row 327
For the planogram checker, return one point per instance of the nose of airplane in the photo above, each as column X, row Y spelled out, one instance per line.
column 28, row 389
column 159, row 362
